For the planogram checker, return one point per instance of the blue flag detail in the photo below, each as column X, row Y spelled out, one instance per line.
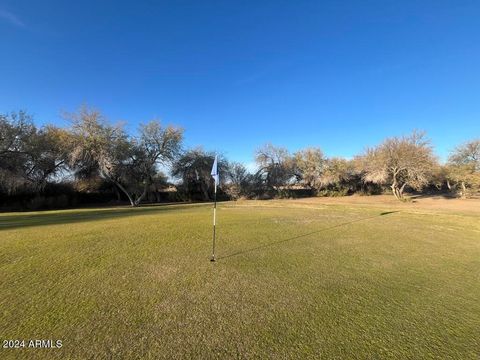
column 214, row 172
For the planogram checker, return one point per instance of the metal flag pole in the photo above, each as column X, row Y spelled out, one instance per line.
column 216, row 177
column 214, row 220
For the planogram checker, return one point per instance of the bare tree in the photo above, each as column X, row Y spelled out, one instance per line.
column 309, row 165
column 467, row 154
column 128, row 162
column 15, row 131
column 156, row 145
column 48, row 155
column 29, row 156
column 337, row 171
column 275, row 165
column 240, row 181
column 193, row 168
column 400, row 162
column 463, row 168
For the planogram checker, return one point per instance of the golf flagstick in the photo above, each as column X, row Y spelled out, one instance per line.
column 216, row 177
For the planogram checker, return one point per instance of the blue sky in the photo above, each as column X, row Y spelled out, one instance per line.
column 340, row 75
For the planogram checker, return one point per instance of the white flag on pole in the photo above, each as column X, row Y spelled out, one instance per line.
column 214, row 172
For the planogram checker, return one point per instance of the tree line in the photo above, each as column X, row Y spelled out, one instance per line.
column 96, row 161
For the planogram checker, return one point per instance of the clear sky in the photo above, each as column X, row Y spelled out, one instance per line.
column 236, row 74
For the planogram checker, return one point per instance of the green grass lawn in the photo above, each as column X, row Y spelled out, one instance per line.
column 292, row 281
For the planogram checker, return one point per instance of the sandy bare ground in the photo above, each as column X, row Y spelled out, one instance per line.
column 420, row 203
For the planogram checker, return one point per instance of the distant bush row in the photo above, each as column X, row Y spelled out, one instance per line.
column 94, row 161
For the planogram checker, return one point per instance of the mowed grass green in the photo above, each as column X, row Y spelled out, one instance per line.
column 292, row 281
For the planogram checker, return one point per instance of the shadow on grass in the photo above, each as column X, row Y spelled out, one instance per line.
column 55, row 218
column 443, row 195
column 261, row 247
column 388, row 212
